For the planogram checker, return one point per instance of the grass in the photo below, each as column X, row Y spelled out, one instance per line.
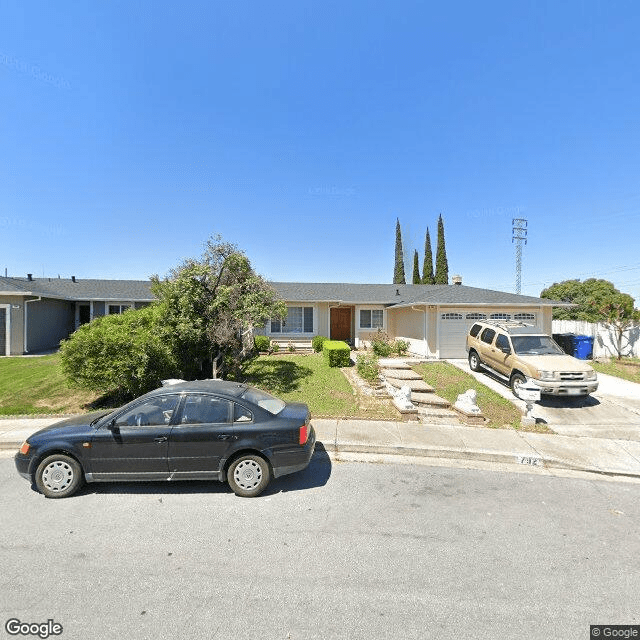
column 309, row 379
column 626, row 368
column 449, row 382
column 36, row 386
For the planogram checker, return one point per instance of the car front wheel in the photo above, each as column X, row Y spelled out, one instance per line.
column 248, row 476
column 58, row 476
column 517, row 382
column 474, row 361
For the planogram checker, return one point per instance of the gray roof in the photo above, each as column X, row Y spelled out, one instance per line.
column 402, row 295
column 391, row 295
column 66, row 289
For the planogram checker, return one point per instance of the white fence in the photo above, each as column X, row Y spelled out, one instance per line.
column 604, row 341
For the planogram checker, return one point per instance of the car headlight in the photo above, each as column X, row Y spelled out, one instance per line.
column 591, row 375
column 547, row 375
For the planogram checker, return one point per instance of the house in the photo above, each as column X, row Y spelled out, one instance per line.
column 433, row 319
column 36, row 313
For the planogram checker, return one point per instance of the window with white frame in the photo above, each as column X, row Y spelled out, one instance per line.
column 500, row 316
column 118, row 308
column 524, row 316
column 371, row 318
column 476, row 316
column 297, row 320
column 451, row 316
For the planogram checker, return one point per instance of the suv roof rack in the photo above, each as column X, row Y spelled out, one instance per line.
column 513, row 326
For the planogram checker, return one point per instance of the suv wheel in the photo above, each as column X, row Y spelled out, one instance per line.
column 517, row 381
column 474, row 361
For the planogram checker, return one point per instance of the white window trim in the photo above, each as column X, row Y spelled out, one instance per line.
column 371, row 308
column 112, row 303
column 284, row 334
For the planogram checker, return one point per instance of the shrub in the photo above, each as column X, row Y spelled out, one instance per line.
column 261, row 343
column 317, row 343
column 128, row 353
column 401, row 347
column 274, row 346
column 336, row 353
column 291, row 347
column 368, row 368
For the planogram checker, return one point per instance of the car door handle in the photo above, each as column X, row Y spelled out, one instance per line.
column 160, row 439
column 226, row 436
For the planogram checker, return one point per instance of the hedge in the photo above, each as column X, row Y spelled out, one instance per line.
column 336, row 353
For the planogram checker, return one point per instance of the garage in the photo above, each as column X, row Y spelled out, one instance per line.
column 453, row 325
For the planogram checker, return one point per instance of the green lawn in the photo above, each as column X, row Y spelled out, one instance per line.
column 449, row 382
column 36, row 385
column 626, row 368
column 309, row 379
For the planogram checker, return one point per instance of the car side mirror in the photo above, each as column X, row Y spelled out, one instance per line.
column 112, row 425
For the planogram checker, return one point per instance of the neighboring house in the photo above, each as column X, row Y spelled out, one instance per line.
column 36, row 313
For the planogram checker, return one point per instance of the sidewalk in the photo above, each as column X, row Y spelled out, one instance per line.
column 598, row 455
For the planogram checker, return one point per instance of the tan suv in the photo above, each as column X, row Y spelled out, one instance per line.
column 521, row 353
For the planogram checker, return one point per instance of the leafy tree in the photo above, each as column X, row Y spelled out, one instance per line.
column 213, row 304
column 619, row 315
column 427, row 265
column 442, row 266
column 416, row 268
column 203, row 319
column 398, row 272
column 595, row 300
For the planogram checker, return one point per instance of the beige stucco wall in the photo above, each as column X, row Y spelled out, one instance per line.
column 408, row 323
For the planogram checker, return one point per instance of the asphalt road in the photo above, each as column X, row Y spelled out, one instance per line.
column 341, row 550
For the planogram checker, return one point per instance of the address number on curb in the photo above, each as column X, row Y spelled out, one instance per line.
column 534, row 462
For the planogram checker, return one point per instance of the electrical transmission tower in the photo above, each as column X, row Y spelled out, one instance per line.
column 519, row 237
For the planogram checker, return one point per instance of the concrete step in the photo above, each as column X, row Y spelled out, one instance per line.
column 429, row 400
column 401, row 374
column 414, row 385
column 393, row 363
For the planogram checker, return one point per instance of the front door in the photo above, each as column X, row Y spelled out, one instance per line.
column 341, row 323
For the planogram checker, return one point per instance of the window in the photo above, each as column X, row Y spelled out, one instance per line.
column 487, row 335
column 240, row 414
column 371, row 318
column 500, row 316
column 153, row 412
column 502, row 343
column 475, row 330
column 118, row 308
column 201, row 409
column 524, row 316
column 298, row 320
column 476, row 316
column 451, row 316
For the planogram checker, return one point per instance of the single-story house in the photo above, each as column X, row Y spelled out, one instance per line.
column 36, row 313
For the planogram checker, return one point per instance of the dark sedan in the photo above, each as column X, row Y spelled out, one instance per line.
column 203, row 430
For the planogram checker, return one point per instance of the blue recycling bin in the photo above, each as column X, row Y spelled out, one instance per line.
column 583, row 347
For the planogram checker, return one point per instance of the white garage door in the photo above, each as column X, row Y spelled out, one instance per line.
column 454, row 326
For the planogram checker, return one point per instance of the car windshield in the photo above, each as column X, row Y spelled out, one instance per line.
column 264, row 400
column 535, row 345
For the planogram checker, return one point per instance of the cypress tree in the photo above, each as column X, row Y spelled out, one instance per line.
column 416, row 268
column 442, row 266
column 398, row 272
column 427, row 265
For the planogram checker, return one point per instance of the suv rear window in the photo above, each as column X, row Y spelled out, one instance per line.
column 487, row 335
column 475, row 330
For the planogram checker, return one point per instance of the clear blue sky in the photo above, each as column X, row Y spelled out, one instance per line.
column 133, row 130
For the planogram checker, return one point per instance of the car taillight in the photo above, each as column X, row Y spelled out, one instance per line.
column 24, row 449
column 303, row 434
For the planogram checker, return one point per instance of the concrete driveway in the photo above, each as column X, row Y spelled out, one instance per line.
column 612, row 412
